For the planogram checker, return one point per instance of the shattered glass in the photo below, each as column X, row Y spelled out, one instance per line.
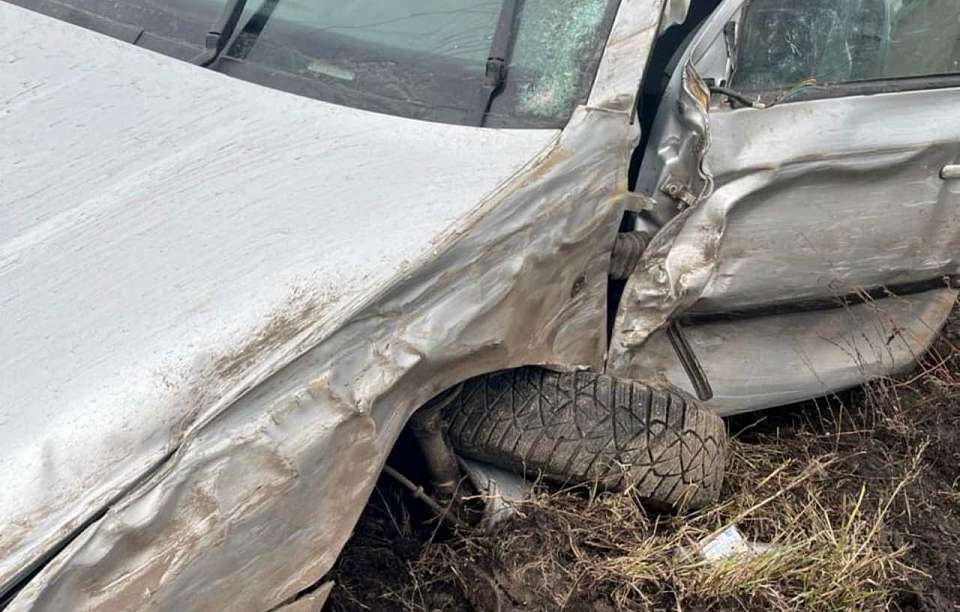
column 784, row 43
column 552, row 42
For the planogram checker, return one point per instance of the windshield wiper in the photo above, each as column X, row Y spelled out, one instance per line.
column 220, row 32
column 495, row 72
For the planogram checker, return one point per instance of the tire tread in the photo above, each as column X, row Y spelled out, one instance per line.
column 582, row 427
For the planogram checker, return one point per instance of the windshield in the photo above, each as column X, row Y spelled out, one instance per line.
column 415, row 58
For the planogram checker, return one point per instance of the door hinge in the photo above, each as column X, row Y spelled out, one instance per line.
column 677, row 190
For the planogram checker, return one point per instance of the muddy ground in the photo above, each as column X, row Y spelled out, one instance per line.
column 859, row 493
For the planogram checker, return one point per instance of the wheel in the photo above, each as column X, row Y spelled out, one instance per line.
column 586, row 428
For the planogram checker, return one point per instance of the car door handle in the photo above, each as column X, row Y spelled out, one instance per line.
column 950, row 172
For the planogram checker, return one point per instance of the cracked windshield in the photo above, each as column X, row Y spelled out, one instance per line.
column 424, row 59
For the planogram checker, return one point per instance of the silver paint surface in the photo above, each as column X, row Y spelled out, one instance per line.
column 779, row 359
column 222, row 303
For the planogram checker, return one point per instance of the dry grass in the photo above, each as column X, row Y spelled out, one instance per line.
column 859, row 498
column 825, row 556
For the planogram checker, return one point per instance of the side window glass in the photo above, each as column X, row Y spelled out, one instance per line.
column 783, row 43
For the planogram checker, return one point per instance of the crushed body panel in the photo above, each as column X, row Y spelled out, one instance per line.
column 279, row 415
column 170, row 237
column 764, row 208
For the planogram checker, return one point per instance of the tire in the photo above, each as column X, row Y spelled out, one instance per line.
column 584, row 428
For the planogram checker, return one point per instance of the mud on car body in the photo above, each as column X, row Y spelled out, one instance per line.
column 237, row 259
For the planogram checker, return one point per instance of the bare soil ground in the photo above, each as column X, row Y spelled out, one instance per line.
column 859, row 495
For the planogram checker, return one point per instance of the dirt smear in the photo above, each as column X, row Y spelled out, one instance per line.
column 859, row 494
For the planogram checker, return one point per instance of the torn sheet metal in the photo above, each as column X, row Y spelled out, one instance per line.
column 680, row 258
column 261, row 299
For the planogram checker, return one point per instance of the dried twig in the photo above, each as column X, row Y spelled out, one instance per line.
column 418, row 492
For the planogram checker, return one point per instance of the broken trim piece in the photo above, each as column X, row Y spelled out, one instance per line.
column 688, row 359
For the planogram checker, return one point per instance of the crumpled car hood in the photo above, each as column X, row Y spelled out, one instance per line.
column 169, row 238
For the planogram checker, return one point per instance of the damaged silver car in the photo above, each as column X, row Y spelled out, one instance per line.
column 243, row 243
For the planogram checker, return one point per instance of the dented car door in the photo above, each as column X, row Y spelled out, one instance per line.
column 805, row 157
